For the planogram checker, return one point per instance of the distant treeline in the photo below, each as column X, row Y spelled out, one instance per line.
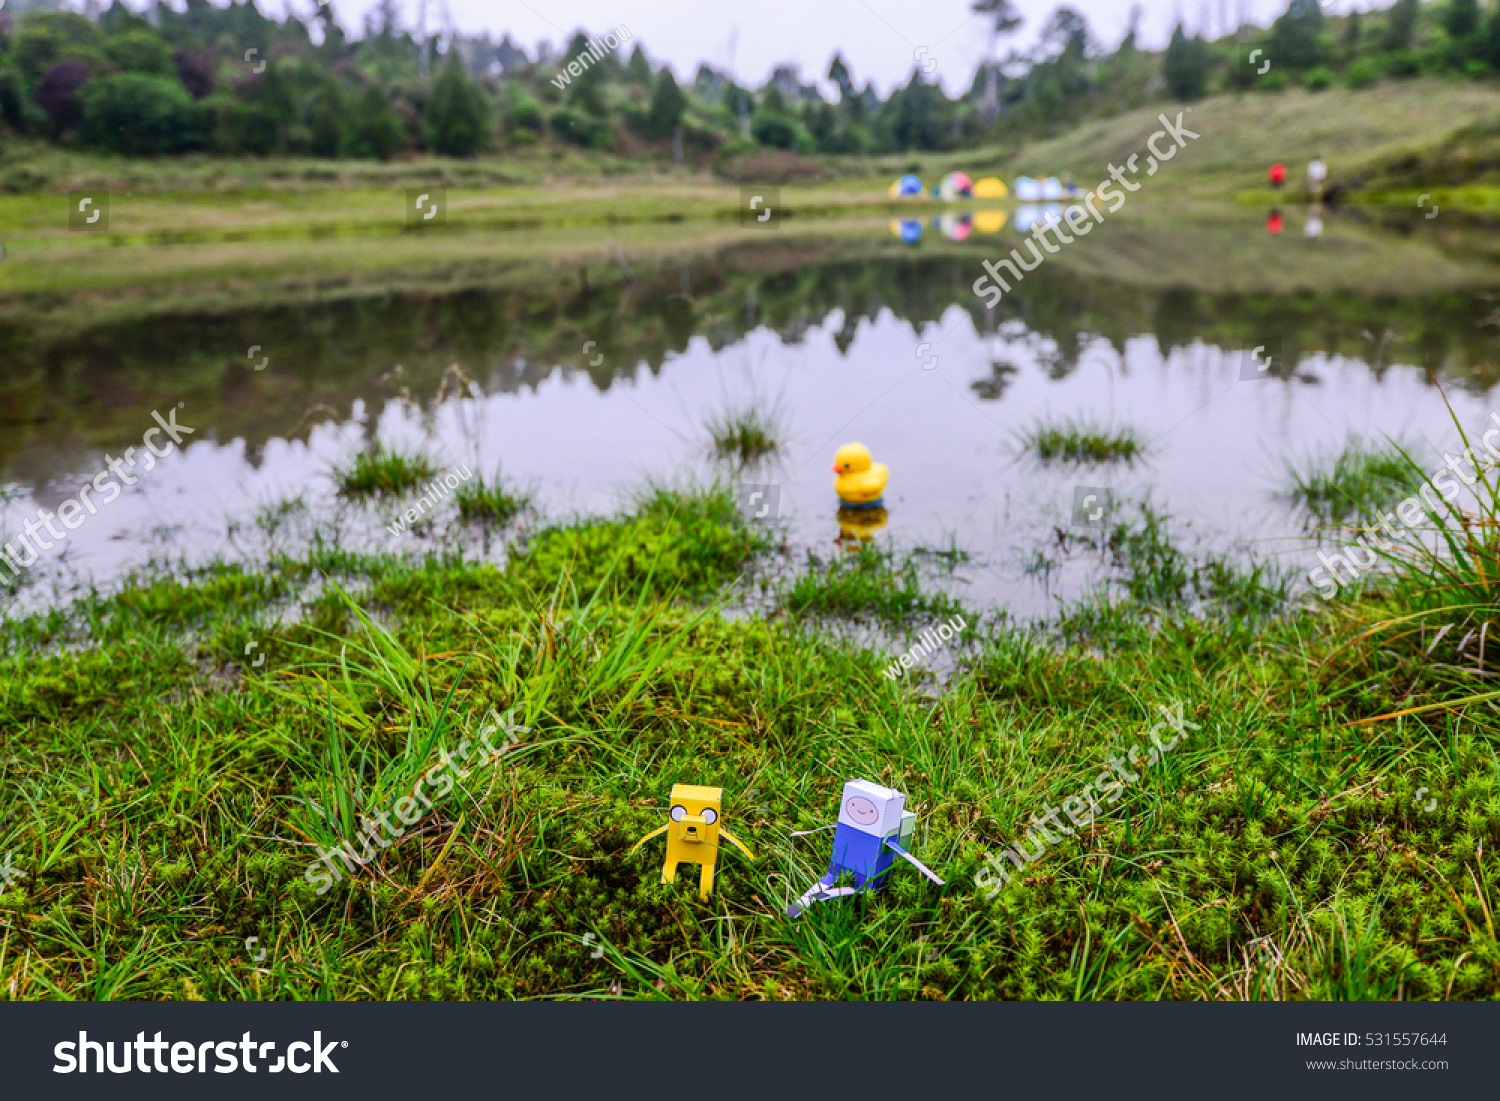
column 232, row 81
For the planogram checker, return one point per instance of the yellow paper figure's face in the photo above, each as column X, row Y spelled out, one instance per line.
column 695, row 813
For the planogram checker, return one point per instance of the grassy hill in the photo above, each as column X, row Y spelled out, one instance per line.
column 1362, row 134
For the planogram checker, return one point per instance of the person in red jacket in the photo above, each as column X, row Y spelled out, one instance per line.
column 1278, row 175
column 1273, row 223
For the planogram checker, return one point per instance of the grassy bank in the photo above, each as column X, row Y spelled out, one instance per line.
column 163, row 792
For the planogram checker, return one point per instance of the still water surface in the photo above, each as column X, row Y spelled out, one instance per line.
column 585, row 396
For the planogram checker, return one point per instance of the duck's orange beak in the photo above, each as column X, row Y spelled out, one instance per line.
column 835, row 468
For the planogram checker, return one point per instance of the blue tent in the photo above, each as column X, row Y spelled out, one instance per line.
column 906, row 186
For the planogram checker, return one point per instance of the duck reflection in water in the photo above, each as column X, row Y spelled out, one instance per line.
column 857, row 526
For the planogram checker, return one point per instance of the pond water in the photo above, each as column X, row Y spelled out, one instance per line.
column 585, row 392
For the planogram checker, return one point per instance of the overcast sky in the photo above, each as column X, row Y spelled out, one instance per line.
column 879, row 38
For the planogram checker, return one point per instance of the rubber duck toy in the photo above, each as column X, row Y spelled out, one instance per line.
column 860, row 483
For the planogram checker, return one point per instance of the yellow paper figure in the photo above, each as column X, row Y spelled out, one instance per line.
column 693, row 834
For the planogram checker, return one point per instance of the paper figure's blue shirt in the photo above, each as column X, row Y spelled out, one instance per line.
column 863, row 854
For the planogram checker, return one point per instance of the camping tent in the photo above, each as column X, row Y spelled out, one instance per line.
column 1052, row 188
column 906, row 187
column 990, row 188
column 1027, row 189
column 956, row 185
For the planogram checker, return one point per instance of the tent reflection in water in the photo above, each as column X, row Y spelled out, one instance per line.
column 955, row 227
column 1029, row 215
column 989, row 221
column 908, row 229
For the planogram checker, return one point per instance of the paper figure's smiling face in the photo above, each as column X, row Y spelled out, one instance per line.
column 870, row 808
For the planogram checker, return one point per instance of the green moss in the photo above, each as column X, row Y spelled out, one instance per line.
column 161, row 794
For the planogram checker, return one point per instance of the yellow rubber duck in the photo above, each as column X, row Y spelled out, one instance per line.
column 860, row 483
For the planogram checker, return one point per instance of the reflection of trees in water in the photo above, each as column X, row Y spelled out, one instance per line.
column 93, row 387
column 994, row 387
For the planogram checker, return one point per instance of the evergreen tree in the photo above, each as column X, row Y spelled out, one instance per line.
column 1296, row 36
column 1489, row 42
column 457, row 114
column 1400, row 18
column 667, row 105
column 377, row 132
column 838, row 72
column 587, row 89
column 1004, row 19
column 1461, row 18
column 638, row 72
column 1184, row 66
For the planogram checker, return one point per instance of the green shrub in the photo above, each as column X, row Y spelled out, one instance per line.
column 578, row 127
column 139, row 50
column 522, row 111
column 45, row 38
column 142, row 116
column 1274, row 81
column 1402, row 63
column 1318, row 79
column 774, row 129
column 1363, row 73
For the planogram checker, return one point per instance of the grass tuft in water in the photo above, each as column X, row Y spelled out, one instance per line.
column 492, row 501
column 746, row 435
column 383, row 470
column 1079, row 441
column 1361, row 477
column 1434, row 622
